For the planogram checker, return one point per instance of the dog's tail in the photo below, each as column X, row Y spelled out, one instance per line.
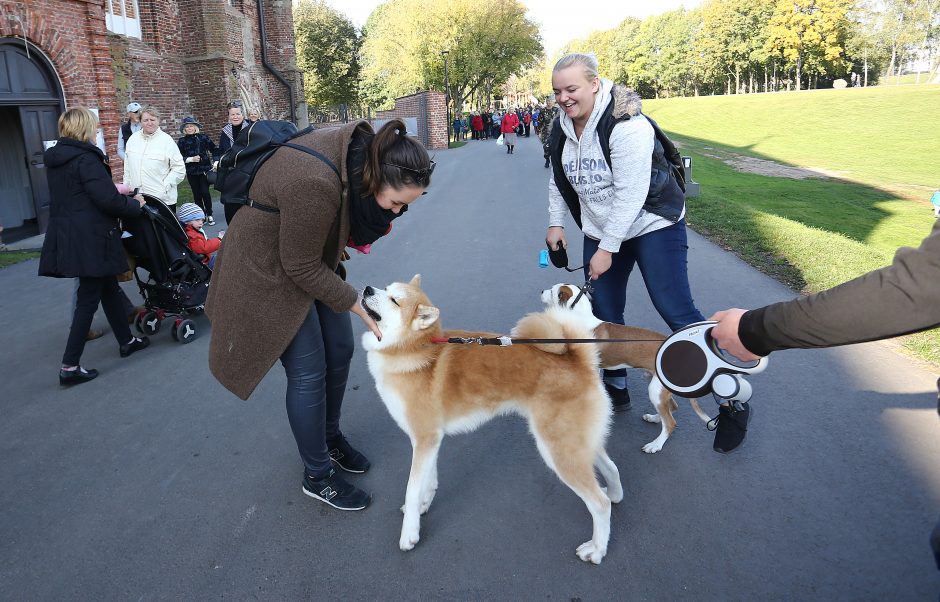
column 555, row 324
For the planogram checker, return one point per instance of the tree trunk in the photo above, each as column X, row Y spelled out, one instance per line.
column 799, row 74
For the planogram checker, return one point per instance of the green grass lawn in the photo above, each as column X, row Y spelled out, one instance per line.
column 8, row 258
column 881, row 146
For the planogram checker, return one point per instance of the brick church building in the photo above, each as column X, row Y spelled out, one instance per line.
column 186, row 57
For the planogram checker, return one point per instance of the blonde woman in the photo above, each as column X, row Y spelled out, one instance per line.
column 84, row 237
column 154, row 163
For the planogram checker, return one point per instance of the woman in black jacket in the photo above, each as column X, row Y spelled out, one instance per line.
column 84, row 237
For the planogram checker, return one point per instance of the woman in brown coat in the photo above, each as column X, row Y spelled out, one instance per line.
column 278, row 288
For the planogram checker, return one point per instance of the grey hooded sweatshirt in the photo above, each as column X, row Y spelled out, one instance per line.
column 611, row 199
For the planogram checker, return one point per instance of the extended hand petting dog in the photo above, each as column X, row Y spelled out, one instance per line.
column 431, row 389
column 641, row 354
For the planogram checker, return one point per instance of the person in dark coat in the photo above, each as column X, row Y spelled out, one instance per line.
column 83, row 239
column 197, row 150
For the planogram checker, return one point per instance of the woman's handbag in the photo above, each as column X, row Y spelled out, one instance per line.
column 210, row 175
column 500, row 140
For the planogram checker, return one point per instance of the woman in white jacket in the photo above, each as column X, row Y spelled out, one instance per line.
column 626, row 221
column 153, row 161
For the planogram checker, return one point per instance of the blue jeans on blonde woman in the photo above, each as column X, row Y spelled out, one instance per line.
column 661, row 256
column 317, row 366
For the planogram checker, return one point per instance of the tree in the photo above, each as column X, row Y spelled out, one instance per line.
column 327, row 50
column 486, row 40
column 809, row 35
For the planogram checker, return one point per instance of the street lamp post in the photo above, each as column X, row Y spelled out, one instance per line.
column 446, row 93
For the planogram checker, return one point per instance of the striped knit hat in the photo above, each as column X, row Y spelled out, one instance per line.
column 188, row 212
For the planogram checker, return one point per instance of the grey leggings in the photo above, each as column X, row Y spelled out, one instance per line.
column 317, row 366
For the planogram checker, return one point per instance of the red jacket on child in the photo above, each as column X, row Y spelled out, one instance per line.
column 198, row 243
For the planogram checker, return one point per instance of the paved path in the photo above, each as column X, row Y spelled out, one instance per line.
column 154, row 483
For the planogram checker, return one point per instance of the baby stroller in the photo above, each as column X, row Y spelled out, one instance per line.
column 177, row 281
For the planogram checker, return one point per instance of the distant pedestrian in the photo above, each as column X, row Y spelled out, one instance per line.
column 935, row 201
column 527, row 122
column 509, row 124
column 477, row 126
column 129, row 127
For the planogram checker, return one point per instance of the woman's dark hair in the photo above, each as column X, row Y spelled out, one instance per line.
column 395, row 159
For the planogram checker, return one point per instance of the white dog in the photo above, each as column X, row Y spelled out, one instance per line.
column 640, row 354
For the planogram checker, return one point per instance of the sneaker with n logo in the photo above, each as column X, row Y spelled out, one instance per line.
column 346, row 456
column 336, row 491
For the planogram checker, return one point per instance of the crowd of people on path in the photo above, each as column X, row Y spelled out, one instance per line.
column 492, row 123
column 279, row 284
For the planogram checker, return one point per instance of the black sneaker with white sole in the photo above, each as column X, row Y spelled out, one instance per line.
column 619, row 398
column 336, row 491
column 346, row 456
column 730, row 426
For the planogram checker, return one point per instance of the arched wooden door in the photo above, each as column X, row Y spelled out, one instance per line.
column 30, row 104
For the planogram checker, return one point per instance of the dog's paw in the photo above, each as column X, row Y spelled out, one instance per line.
column 614, row 494
column 591, row 552
column 654, row 418
column 408, row 540
column 653, row 446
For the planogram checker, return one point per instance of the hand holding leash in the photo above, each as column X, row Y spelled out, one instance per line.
column 725, row 333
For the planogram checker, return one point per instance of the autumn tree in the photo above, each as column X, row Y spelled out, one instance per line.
column 486, row 42
column 327, row 53
column 810, row 35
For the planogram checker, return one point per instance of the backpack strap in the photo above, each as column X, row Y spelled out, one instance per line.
column 303, row 149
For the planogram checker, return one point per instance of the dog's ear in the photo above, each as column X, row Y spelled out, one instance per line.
column 564, row 293
column 416, row 281
column 425, row 315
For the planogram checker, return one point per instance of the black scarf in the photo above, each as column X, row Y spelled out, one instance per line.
column 368, row 222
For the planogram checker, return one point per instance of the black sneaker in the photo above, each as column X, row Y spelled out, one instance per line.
column 335, row 491
column 136, row 344
column 730, row 427
column 619, row 398
column 67, row 378
column 346, row 457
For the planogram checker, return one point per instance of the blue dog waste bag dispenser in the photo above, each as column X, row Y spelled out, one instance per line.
column 690, row 363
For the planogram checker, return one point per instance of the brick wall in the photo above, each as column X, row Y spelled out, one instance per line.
column 431, row 111
column 194, row 56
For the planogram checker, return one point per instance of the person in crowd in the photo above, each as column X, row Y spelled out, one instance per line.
column 254, row 115
column 509, row 124
column 624, row 223
column 527, row 122
column 477, row 126
column 465, row 127
column 279, row 290
column 154, row 164
column 128, row 128
column 497, row 124
column 899, row 299
column 83, row 239
column 547, row 119
column 197, row 150
column 458, row 126
column 236, row 121
column 487, row 124
column 193, row 218
column 935, row 201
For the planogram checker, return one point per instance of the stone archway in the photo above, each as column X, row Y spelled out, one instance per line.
column 31, row 101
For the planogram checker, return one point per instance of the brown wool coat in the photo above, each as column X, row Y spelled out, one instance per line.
column 272, row 267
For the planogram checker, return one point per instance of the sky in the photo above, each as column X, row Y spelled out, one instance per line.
column 558, row 23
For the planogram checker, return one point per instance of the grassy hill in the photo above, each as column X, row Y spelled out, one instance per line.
column 866, row 159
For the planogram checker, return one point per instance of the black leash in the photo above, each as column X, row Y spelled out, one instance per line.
column 508, row 341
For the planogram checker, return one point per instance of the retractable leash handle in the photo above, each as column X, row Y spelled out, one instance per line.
column 690, row 363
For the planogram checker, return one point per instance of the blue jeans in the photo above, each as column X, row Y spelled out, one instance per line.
column 317, row 366
column 661, row 256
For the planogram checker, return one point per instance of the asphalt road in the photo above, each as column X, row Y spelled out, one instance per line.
column 154, row 483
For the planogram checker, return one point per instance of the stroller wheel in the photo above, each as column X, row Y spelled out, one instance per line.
column 185, row 331
column 150, row 323
column 174, row 329
column 139, row 322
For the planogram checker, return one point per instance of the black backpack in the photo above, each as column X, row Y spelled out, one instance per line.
column 255, row 145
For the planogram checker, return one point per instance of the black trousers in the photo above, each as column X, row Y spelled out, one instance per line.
column 230, row 210
column 91, row 292
column 201, row 195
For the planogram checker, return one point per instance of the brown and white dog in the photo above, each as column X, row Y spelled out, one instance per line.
column 432, row 389
column 641, row 354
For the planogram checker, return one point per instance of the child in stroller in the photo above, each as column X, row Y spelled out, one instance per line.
column 177, row 281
